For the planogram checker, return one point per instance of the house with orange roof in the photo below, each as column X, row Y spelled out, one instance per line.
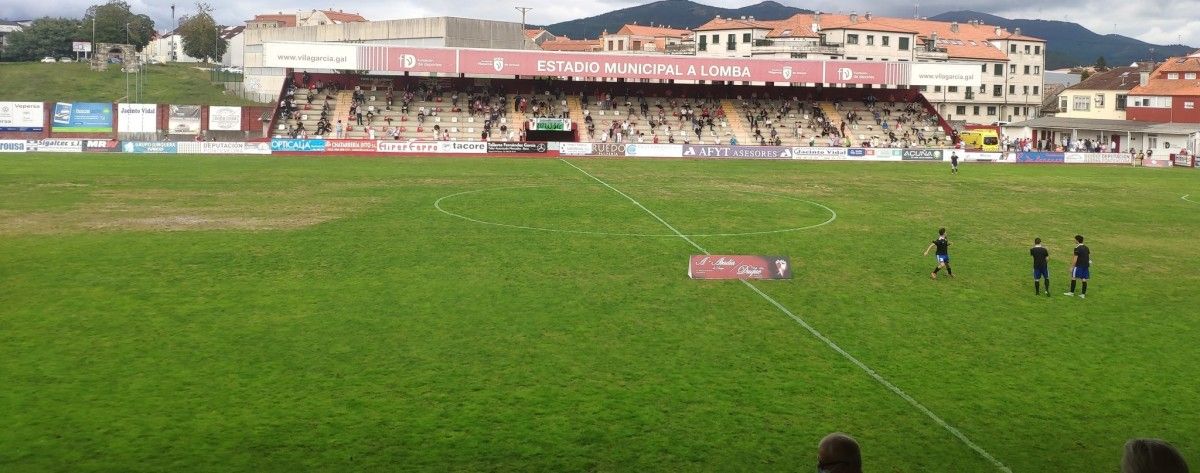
column 565, row 44
column 304, row 18
column 539, row 35
column 635, row 38
column 1169, row 94
column 1012, row 63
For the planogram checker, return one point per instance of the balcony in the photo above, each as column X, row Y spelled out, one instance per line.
column 685, row 49
column 768, row 47
column 935, row 55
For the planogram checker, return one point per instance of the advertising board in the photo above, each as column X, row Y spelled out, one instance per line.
column 642, row 150
column 462, row 147
column 12, row 146
column 287, row 145
column 83, row 117
column 739, row 267
column 51, row 145
column 224, row 118
column 575, row 149
column 516, row 147
column 407, row 147
column 351, row 146
column 1038, row 157
column 736, row 152
column 137, row 118
column 22, row 116
column 183, row 119
column 151, row 147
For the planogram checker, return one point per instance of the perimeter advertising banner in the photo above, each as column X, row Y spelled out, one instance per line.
column 502, row 147
column 408, row 147
column 83, row 117
column 183, row 120
column 575, row 149
column 351, row 146
column 1096, row 158
column 12, row 146
column 642, row 150
column 1041, row 158
column 21, row 116
column 150, row 147
column 137, row 118
column 224, row 118
column 924, row 155
column 739, row 267
column 297, row 146
column 736, row 152
column 51, row 145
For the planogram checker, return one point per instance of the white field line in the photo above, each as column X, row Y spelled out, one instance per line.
column 820, row 336
column 438, row 205
column 1185, row 197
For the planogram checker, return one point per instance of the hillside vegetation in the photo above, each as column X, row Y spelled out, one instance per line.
column 75, row 82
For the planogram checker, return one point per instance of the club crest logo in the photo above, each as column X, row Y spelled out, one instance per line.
column 787, row 73
column 846, row 73
column 498, row 64
column 409, row 61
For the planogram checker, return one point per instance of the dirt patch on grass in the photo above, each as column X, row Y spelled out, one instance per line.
column 158, row 210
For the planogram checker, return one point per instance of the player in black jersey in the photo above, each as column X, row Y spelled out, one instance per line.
column 943, row 254
column 1040, row 268
column 1081, row 266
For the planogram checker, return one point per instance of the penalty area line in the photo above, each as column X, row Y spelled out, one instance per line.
column 820, row 336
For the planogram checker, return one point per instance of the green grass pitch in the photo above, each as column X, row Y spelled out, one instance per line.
column 222, row 314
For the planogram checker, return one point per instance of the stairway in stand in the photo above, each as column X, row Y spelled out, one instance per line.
column 737, row 123
column 341, row 110
column 516, row 118
column 833, row 115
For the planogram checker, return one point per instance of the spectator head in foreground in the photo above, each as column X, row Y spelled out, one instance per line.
column 1152, row 456
column 838, row 453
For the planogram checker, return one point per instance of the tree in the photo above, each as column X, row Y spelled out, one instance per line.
column 201, row 35
column 45, row 37
column 112, row 20
column 1101, row 64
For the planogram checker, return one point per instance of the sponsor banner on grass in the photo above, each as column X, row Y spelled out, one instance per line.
column 462, row 147
column 12, row 146
column 1181, row 160
column 224, row 118
column 101, row 146
column 608, row 149
column 137, row 118
column 351, row 146
column 227, row 147
column 1096, row 158
column 1157, row 163
column 975, row 157
column 408, row 147
column 297, row 146
column 923, row 155
column 183, row 120
column 51, row 145
column 83, row 117
column 151, row 147
column 739, row 267
column 516, row 147
column 654, row 150
column 1041, row 157
column 575, row 149
column 21, row 116
column 736, row 152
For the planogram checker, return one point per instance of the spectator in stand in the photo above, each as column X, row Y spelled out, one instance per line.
column 839, row 453
column 340, row 130
column 358, row 115
column 1152, row 456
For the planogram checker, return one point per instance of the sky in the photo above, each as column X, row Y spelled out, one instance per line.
column 1155, row 21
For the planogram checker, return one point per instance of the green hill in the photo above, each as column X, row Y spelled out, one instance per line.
column 67, row 82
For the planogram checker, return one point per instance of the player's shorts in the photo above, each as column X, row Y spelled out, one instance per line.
column 1041, row 273
column 943, row 259
column 1080, row 273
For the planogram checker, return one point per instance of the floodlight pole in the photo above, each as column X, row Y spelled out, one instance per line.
column 523, row 11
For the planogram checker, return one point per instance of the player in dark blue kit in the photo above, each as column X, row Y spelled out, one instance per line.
column 943, row 254
column 1081, row 266
column 1041, row 270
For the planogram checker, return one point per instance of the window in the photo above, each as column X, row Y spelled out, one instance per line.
column 620, row 45
column 870, row 40
column 610, row 45
column 1082, row 103
column 976, row 110
column 1027, row 47
column 1173, row 76
column 1012, row 68
column 1062, row 104
column 1037, row 50
column 1099, row 101
column 1037, row 70
column 1012, row 48
column 1036, row 90
column 716, row 39
column 745, row 37
column 1012, row 89
column 1025, row 90
column 1026, row 70
column 1017, row 111
column 997, row 90
column 1190, row 76
column 985, row 68
column 991, row 111
column 731, row 42
column 1189, row 105
column 904, row 44
column 886, row 40
column 998, row 70
column 851, row 39
column 937, row 88
column 1122, row 101
column 960, row 110
column 953, row 89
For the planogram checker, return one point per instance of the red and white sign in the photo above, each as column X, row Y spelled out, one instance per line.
column 739, row 267
column 351, row 146
column 407, row 146
column 854, row 72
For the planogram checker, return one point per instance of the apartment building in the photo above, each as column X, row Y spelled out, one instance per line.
column 635, row 38
column 1104, row 95
column 1170, row 94
column 1012, row 63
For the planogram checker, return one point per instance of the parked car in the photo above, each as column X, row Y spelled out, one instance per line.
column 65, row 59
column 48, row 59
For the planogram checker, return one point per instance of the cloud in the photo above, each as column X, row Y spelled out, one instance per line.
column 1156, row 21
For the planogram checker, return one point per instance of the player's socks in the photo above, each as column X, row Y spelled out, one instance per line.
column 949, row 271
column 1084, row 288
column 1037, row 288
column 935, row 270
column 1072, row 285
column 1047, row 286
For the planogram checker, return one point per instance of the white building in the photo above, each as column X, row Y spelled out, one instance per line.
column 1012, row 63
